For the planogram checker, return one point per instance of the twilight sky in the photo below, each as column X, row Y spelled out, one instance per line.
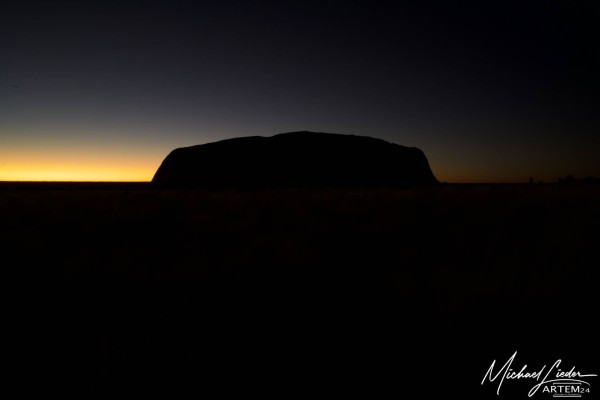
column 491, row 91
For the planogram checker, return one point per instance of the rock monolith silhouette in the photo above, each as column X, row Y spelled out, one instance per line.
column 296, row 159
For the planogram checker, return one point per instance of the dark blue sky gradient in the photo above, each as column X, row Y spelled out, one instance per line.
column 491, row 91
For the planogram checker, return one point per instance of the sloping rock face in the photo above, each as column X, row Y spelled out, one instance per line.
column 296, row 159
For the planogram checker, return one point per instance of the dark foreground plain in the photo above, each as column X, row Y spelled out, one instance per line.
column 281, row 292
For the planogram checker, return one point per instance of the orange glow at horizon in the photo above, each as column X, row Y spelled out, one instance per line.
column 119, row 170
column 101, row 162
column 75, row 173
column 95, row 167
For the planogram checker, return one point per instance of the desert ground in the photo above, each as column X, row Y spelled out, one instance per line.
column 312, row 291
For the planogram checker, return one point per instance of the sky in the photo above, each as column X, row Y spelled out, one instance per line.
column 491, row 91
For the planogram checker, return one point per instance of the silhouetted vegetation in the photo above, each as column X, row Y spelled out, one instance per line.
column 571, row 180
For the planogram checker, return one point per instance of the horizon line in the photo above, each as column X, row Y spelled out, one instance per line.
column 440, row 183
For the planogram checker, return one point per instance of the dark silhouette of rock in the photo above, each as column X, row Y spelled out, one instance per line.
column 296, row 159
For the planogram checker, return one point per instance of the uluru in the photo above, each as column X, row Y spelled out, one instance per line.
column 295, row 159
